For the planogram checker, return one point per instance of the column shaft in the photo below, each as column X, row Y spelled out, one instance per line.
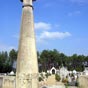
column 27, row 65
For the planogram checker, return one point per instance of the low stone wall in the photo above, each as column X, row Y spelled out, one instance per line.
column 7, row 82
column 1, row 82
column 83, row 82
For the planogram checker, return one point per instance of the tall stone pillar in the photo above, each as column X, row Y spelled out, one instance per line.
column 27, row 65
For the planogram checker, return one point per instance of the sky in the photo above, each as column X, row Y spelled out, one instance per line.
column 59, row 24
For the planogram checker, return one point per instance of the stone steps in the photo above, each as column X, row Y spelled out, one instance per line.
column 51, row 80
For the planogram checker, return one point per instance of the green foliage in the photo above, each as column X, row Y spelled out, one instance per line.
column 50, row 58
column 57, row 77
column 47, row 74
column 66, row 85
column 40, row 79
column 65, row 80
column 13, row 55
column 46, row 59
column 5, row 65
column 77, row 84
column 6, row 61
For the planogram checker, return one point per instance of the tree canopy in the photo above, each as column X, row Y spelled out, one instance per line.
column 7, row 60
column 46, row 60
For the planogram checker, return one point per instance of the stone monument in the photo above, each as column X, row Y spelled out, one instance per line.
column 27, row 65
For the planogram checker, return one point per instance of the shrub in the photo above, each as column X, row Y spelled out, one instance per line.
column 47, row 74
column 40, row 79
column 66, row 85
column 64, row 80
column 57, row 77
column 77, row 84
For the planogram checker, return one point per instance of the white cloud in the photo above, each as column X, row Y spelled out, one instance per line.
column 44, row 35
column 4, row 47
column 75, row 13
column 52, row 35
column 11, row 47
column 79, row 1
column 16, row 36
column 42, row 26
column 48, row 4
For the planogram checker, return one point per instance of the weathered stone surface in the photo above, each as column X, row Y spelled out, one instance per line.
column 1, row 82
column 54, row 86
column 7, row 82
column 27, row 65
column 83, row 81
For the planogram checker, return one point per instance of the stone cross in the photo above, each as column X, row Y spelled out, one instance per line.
column 27, row 64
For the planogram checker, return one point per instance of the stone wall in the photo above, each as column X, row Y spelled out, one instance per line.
column 1, row 82
column 83, row 81
column 7, row 81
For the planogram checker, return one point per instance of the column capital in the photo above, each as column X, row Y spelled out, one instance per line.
column 22, row 0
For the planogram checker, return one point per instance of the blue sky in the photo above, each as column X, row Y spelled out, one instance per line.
column 59, row 24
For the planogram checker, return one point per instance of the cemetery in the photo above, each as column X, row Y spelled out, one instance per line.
column 28, row 68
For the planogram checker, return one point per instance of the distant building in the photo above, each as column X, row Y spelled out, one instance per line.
column 63, row 72
column 53, row 70
column 86, row 70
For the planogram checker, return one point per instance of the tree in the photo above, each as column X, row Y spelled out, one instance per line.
column 13, row 56
column 46, row 60
column 76, row 62
column 5, row 65
column 62, row 56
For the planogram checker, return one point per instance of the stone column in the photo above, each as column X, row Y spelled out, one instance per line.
column 27, row 65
